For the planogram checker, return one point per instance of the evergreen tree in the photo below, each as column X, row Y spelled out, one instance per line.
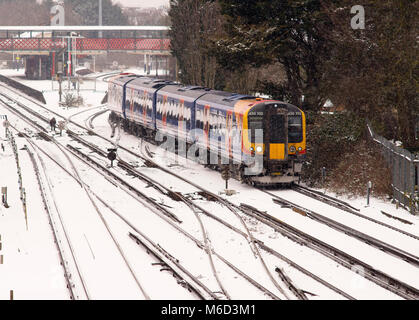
column 264, row 32
column 88, row 10
column 374, row 72
column 23, row 12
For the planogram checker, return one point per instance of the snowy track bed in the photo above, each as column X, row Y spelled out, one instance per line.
column 93, row 253
column 225, row 215
column 358, row 231
column 316, row 274
column 246, row 264
column 377, row 258
column 88, row 244
column 237, row 294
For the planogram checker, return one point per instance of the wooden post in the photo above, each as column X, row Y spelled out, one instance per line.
column 4, row 195
column 11, row 294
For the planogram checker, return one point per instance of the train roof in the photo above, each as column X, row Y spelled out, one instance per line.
column 287, row 105
column 180, row 91
column 223, row 98
column 146, row 82
column 124, row 78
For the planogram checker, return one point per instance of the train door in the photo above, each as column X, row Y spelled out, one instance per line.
column 229, row 133
column 121, row 95
column 131, row 104
column 238, row 139
column 276, row 132
column 164, row 111
column 181, row 117
column 206, row 124
column 144, row 105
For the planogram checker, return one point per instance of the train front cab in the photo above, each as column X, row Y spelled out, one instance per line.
column 283, row 141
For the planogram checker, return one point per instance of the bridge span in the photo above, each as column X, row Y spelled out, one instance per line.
column 52, row 49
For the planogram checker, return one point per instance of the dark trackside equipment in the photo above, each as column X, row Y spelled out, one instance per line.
column 112, row 155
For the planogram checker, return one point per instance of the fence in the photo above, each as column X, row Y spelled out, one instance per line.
column 74, row 84
column 404, row 170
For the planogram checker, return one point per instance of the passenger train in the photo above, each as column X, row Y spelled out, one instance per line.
column 263, row 142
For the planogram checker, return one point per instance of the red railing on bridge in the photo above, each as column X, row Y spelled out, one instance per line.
column 122, row 44
column 84, row 44
column 31, row 44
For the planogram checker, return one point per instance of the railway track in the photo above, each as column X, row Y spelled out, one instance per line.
column 386, row 281
column 167, row 261
column 44, row 135
column 76, row 176
column 60, row 250
column 383, row 280
column 93, row 117
column 195, row 207
column 129, row 187
column 401, row 254
column 346, row 207
column 74, row 278
column 94, row 164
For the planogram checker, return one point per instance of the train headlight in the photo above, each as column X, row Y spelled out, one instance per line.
column 259, row 149
column 300, row 149
column 292, row 149
column 252, row 149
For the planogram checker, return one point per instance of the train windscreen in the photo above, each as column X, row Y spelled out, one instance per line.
column 255, row 123
column 295, row 128
column 277, row 128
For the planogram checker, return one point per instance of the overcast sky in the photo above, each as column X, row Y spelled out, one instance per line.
column 142, row 3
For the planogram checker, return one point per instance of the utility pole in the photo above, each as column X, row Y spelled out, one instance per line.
column 100, row 17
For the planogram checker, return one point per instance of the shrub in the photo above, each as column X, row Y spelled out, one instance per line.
column 71, row 100
column 329, row 137
column 362, row 164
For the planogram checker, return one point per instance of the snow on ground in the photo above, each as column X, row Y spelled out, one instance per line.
column 372, row 229
column 31, row 266
column 223, row 240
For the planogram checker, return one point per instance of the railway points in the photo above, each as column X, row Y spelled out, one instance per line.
column 266, row 263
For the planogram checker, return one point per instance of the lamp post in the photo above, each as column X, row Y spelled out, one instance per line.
column 100, row 17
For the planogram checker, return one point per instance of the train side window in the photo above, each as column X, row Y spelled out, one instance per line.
column 173, row 111
column 159, row 108
column 177, row 106
column 140, row 104
column 198, row 119
column 150, row 106
column 170, row 111
column 171, row 107
column 188, row 118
